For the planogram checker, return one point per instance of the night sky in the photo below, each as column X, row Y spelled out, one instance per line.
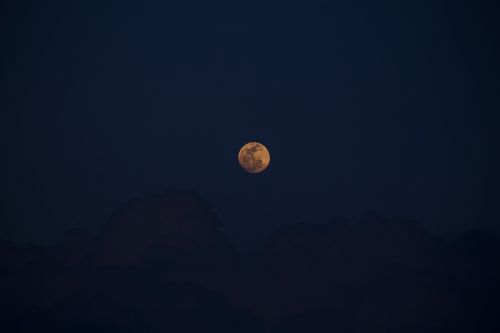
column 363, row 105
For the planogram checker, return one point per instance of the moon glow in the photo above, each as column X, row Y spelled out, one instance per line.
column 254, row 157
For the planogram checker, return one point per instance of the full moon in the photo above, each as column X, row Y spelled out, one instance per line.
column 254, row 157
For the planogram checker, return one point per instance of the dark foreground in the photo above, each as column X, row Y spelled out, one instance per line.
column 161, row 264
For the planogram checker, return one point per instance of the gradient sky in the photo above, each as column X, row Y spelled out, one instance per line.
column 362, row 104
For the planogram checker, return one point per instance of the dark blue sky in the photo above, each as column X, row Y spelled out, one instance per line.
column 362, row 104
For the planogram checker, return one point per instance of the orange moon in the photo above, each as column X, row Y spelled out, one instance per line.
column 254, row 157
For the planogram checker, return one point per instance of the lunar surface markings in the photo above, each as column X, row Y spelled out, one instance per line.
column 254, row 157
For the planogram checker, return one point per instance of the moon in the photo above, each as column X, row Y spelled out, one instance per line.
column 254, row 157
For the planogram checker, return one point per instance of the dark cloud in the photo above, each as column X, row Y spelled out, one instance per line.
column 162, row 264
column 176, row 219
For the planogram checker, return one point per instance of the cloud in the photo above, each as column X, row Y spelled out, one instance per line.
column 162, row 264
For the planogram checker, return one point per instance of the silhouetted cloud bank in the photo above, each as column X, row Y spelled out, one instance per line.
column 163, row 264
